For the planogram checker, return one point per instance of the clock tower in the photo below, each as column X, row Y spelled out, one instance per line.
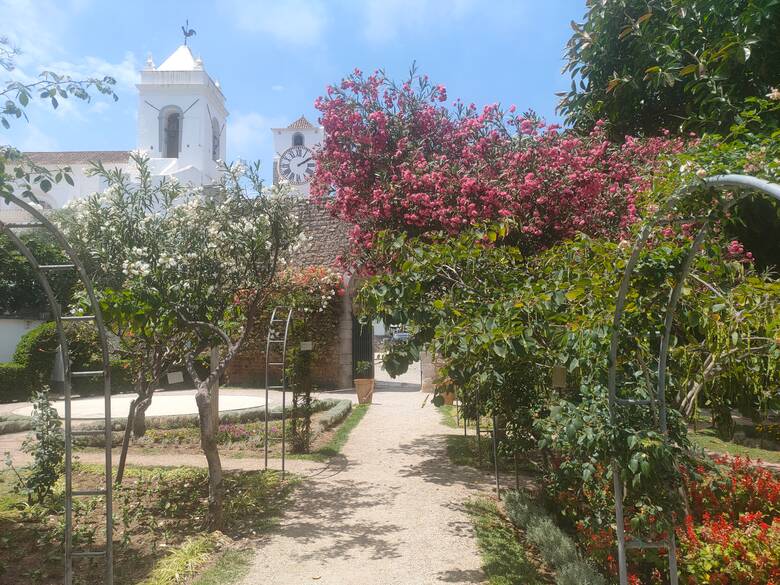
column 181, row 118
column 294, row 148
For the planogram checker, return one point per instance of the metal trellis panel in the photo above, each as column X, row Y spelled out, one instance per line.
column 273, row 340
column 42, row 222
column 737, row 182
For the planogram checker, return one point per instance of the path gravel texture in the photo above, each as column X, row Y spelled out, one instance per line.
column 388, row 511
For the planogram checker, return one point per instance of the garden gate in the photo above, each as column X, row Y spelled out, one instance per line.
column 41, row 271
column 741, row 185
column 362, row 344
column 276, row 344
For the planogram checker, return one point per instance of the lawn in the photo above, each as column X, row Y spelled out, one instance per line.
column 707, row 439
column 507, row 559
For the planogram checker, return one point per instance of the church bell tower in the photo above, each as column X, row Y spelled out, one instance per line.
column 181, row 118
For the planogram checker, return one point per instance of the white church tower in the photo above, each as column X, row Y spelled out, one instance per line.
column 181, row 118
column 294, row 148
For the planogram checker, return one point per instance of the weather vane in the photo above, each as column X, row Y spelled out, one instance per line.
column 188, row 32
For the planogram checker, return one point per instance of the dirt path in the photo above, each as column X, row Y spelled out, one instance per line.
column 389, row 512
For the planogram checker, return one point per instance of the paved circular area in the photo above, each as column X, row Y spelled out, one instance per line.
column 163, row 403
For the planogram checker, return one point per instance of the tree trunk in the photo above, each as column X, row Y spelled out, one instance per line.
column 143, row 402
column 724, row 423
column 120, row 471
column 214, row 366
column 208, row 442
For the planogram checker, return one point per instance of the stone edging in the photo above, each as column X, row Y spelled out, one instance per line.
column 12, row 423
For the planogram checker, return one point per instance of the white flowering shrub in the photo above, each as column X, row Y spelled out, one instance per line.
column 179, row 269
column 186, row 253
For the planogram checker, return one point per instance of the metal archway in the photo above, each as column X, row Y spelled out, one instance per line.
column 720, row 182
column 277, row 338
column 41, row 270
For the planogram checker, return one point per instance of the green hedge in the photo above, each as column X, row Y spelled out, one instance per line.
column 16, row 383
column 33, row 361
column 37, row 348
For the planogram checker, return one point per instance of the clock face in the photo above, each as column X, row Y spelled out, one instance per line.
column 297, row 165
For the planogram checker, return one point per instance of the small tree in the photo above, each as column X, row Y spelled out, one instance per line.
column 197, row 267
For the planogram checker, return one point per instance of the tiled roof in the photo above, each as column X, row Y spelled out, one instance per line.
column 79, row 157
column 301, row 123
column 327, row 237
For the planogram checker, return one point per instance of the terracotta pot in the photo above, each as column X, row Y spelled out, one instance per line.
column 364, row 387
column 449, row 397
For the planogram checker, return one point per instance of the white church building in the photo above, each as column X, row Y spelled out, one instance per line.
column 182, row 129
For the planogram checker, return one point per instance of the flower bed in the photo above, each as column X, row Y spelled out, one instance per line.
column 730, row 535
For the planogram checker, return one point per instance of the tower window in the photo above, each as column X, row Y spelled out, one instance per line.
column 170, row 131
column 214, row 139
column 297, row 139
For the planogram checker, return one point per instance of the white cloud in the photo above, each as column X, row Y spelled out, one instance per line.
column 249, row 136
column 42, row 43
column 124, row 72
column 277, row 88
column 299, row 22
column 31, row 28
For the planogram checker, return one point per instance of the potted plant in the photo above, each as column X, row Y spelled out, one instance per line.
column 364, row 382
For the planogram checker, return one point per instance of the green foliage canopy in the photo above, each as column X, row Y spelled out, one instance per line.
column 648, row 65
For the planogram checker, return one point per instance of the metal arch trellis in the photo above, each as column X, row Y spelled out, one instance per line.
column 737, row 182
column 277, row 338
column 41, row 270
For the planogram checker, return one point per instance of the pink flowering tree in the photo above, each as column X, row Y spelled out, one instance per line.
column 398, row 157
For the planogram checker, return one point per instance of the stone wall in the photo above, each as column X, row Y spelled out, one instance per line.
column 327, row 239
column 332, row 369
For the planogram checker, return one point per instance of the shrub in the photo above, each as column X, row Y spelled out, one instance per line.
column 36, row 350
column 555, row 546
column 15, row 382
column 720, row 551
column 734, row 488
column 730, row 537
column 47, row 447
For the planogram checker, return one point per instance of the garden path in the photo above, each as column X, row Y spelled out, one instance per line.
column 391, row 513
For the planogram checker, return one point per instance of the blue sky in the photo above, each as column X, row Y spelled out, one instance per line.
column 274, row 57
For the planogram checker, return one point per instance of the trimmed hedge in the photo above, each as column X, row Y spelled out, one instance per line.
column 555, row 546
column 37, row 348
column 16, row 382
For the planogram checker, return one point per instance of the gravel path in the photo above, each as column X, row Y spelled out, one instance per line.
column 389, row 513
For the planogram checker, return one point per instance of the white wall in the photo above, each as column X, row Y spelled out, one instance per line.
column 11, row 330
column 61, row 192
